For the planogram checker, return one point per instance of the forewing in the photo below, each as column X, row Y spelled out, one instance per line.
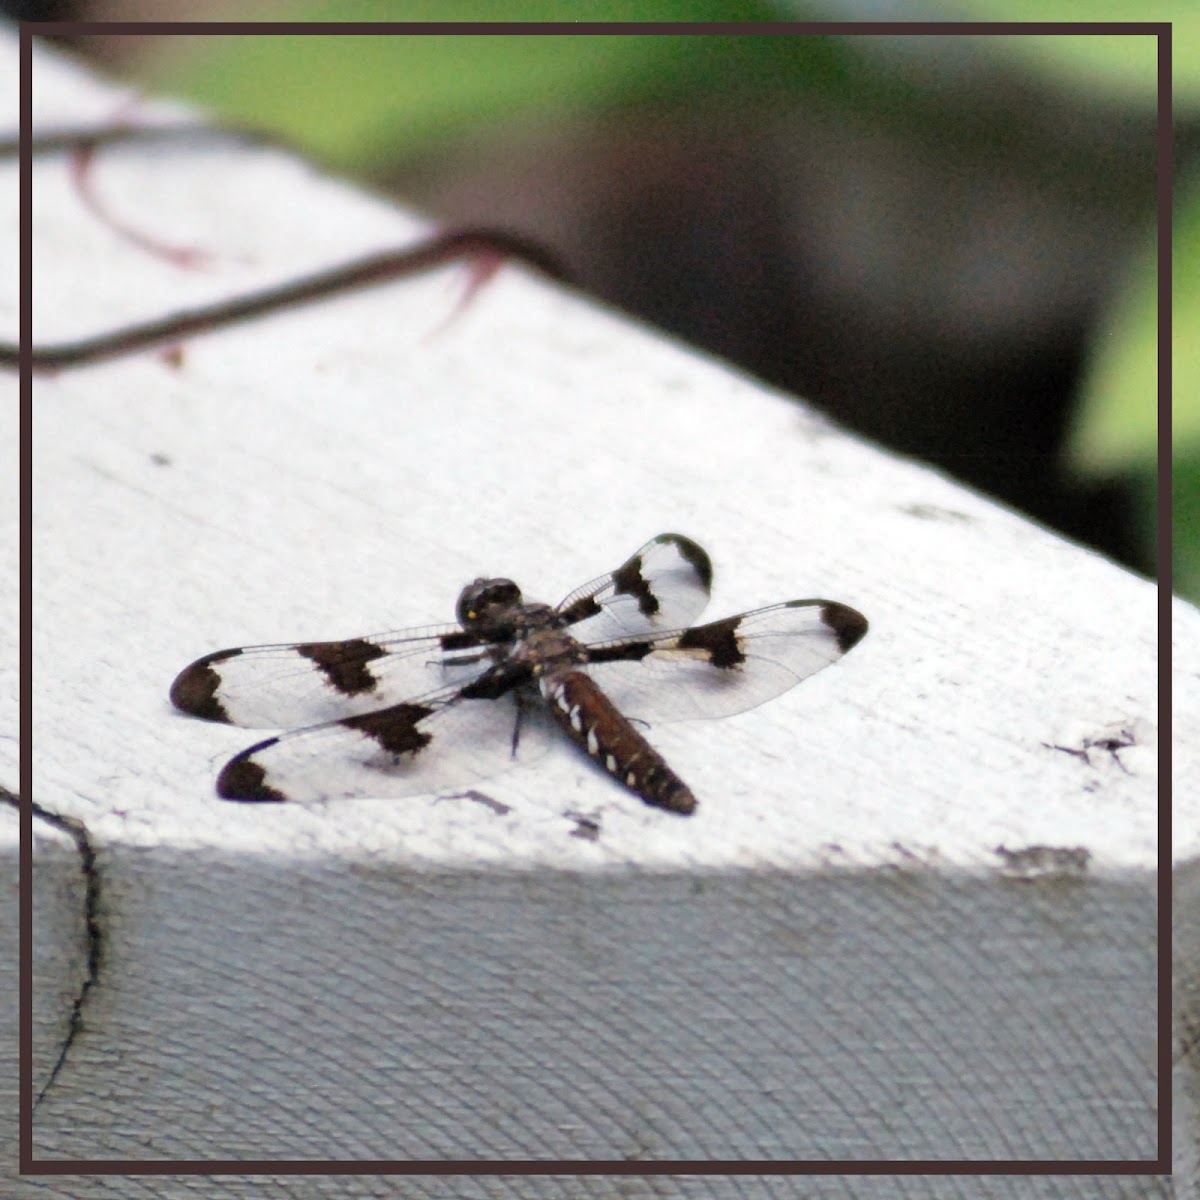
column 417, row 747
column 664, row 585
column 726, row 666
column 286, row 686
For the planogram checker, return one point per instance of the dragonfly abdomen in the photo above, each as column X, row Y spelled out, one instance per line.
column 593, row 721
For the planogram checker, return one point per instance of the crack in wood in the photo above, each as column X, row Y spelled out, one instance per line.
column 77, row 832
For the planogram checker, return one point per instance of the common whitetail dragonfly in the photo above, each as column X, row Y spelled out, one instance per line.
column 419, row 710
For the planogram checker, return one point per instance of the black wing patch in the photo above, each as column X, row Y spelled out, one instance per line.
column 726, row 666
column 282, row 686
column 662, row 586
column 408, row 749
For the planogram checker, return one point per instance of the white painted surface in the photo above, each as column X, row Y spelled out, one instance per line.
column 828, row 961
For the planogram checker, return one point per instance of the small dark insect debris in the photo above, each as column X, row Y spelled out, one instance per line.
column 1111, row 741
column 934, row 512
column 1041, row 862
column 587, row 825
column 497, row 806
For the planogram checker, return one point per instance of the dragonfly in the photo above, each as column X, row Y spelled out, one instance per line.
column 416, row 711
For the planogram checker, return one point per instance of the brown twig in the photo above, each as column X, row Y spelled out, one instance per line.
column 376, row 268
column 63, row 141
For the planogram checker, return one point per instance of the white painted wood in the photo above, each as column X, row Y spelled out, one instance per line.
column 833, row 959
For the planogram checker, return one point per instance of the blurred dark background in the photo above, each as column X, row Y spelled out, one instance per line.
column 946, row 243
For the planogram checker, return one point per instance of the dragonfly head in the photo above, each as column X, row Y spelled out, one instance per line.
column 487, row 602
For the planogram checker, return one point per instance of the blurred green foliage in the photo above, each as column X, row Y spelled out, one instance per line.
column 350, row 98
